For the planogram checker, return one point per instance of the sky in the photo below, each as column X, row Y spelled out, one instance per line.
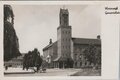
column 36, row 24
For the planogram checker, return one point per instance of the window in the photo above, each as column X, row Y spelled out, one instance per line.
column 85, row 63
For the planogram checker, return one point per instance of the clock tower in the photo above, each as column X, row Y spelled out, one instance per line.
column 64, row 38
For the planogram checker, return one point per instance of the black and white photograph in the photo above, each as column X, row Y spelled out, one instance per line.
column 59, row 40
column 52, row 40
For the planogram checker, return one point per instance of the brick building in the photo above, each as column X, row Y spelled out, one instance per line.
column 67, row 52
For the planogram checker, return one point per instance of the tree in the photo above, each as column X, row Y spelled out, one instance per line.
column 38, row 62
column 92, row 54
column 32, row 59
column 25, row 61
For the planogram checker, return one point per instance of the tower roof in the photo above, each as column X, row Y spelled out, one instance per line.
column 64, row 11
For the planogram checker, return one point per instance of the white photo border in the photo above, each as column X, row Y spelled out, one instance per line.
column 110, row 41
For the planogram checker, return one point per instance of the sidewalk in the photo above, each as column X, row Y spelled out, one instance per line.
column 88, row 72
column 49, row 72
column 18, row 71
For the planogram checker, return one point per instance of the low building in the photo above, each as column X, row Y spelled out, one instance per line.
column 50, row 53
column 15, row 62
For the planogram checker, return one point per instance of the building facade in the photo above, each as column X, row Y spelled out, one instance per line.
column 67, row 52
column 50, row 53
column 78, row 47
column 11, row 42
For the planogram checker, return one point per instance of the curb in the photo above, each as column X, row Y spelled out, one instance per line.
column 18, row 73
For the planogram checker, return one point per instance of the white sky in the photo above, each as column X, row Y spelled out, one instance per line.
column 36, row 24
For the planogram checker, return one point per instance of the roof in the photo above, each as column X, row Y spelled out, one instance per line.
column 65, row 11
column 48, row 46
column 86, row 41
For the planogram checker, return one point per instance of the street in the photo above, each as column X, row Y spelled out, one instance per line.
column 49, row 72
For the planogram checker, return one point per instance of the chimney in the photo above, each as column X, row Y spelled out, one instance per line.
column 98, row 37
column 50, row 41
